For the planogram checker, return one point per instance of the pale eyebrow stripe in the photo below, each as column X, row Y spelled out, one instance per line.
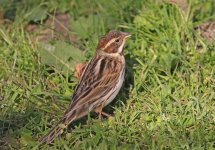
column 109, row 43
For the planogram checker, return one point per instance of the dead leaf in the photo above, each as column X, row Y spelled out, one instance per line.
column 55, row 27
column 31, row 27
column 207, row 30
column 79, row 68
column 1, row 17
column 60, row 55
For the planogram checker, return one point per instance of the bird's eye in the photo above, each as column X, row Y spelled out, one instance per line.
column 117, row 40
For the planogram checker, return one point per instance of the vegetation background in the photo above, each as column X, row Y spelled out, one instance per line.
column 168, row 99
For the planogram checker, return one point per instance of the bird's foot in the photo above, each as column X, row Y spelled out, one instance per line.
column 100, row 112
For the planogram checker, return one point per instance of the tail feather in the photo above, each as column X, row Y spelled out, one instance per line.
column 54, row 132
column 69, row 116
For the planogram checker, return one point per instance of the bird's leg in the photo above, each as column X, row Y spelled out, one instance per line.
column 100, row 112
column 106, row 114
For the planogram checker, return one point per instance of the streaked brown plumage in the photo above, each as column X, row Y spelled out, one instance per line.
column 99, row 84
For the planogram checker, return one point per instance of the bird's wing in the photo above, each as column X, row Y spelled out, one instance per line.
column 98, row 79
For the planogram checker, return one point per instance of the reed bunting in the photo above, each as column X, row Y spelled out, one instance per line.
column 100, row 82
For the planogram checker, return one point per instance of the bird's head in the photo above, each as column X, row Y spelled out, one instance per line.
column 112, row 42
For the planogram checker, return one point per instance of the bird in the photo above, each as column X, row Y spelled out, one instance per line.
column 99, row 83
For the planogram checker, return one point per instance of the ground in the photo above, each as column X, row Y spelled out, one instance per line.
column 168, row 98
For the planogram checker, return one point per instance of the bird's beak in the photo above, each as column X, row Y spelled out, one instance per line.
column 126, row 35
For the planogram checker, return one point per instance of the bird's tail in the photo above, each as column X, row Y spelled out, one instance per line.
column 55, row 131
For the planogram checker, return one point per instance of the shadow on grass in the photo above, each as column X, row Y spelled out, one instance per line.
column 16, row 126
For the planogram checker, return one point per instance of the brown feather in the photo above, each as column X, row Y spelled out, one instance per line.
column 100, row 82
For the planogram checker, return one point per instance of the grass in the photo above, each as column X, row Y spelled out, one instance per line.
column 168, row 98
